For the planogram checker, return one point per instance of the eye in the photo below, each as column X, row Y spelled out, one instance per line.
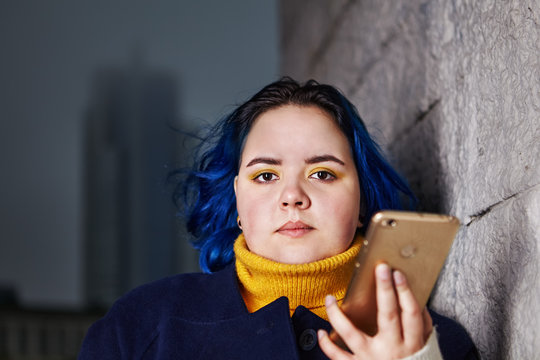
column 265, row 177
column 323, row 175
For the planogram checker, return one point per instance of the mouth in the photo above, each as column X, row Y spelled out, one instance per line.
column 294, row 229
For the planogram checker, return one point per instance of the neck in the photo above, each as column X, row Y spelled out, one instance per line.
column 263, row 281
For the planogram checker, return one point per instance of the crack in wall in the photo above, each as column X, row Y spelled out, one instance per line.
column 532, row 16
column 418, row 119
column 366, row 69
column 329, row 37
column 480, row 214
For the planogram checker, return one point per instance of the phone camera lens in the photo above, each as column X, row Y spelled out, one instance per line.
column 391, row 223
column 408, row 251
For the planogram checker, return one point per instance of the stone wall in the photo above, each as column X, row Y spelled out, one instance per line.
column 451, row 89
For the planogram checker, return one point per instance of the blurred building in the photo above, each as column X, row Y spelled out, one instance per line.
column 130, row 227
column 132, row 235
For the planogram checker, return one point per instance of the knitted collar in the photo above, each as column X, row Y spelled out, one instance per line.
column 263, row 281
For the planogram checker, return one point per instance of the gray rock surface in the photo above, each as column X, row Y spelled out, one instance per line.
column 451, row 89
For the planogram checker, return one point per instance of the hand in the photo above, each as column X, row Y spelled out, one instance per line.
column 403, row 328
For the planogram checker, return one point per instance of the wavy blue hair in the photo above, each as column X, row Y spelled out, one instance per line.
column 209, row 198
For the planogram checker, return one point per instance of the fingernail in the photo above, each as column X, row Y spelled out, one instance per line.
column 383, row 271
column 329, row 300
column 399, row 278
column 321, row 334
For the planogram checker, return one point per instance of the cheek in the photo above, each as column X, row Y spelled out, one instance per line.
column 343, row 209
column 253, row 208
column 343, row 217
column 255, row 212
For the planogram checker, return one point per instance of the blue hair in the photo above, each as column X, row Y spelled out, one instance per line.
column 209, row 197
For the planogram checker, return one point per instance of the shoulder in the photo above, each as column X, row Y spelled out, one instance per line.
column 169, row 292
column 179, row 295
column 454, row 341
column 132, row 323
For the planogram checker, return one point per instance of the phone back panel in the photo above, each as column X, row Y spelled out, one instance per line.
column 414, row 243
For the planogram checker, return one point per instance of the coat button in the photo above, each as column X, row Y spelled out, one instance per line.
column 307, row 340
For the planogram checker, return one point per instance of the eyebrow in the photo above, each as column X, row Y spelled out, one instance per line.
column 263, row 160
column 324, row 158
column 312, row 160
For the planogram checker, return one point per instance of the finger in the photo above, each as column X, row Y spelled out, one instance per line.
column 331, row 350
column 428, row 324
column 412, row 321
column 354, row 338
column 388, row 320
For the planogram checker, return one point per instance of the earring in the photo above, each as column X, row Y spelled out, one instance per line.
column 239, row 222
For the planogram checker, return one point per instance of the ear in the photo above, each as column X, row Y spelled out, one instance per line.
column 235, row 184
column 359, row 225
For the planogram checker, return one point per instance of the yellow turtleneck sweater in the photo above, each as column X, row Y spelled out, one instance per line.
column 263, row 281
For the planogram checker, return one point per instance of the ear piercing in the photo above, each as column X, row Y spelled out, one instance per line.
column 239, row 222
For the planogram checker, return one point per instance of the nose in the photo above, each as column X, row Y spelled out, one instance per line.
column 294, row 196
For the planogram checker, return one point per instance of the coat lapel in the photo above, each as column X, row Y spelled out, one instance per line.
column 265, row 334
column 214, row 323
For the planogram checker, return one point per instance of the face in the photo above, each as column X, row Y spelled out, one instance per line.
column 297, row 190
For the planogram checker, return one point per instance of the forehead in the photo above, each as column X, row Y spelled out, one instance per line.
column 290, row 116
column 292, row 128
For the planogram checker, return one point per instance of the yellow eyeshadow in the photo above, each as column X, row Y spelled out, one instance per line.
column 257, row 173
column 334, row 173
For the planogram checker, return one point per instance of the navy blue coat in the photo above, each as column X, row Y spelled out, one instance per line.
column 202, row 316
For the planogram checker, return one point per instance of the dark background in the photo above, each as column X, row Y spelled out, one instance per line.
column 89, row 95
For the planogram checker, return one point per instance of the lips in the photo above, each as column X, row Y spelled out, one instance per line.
column 294, row 229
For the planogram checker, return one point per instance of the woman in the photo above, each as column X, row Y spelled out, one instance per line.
column 278, row 204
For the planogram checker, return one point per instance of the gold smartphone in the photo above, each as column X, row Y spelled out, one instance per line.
column 414, row 243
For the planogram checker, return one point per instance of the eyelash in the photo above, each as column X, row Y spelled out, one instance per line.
column 332, row 176
column 258, row 177
column 316, row 175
